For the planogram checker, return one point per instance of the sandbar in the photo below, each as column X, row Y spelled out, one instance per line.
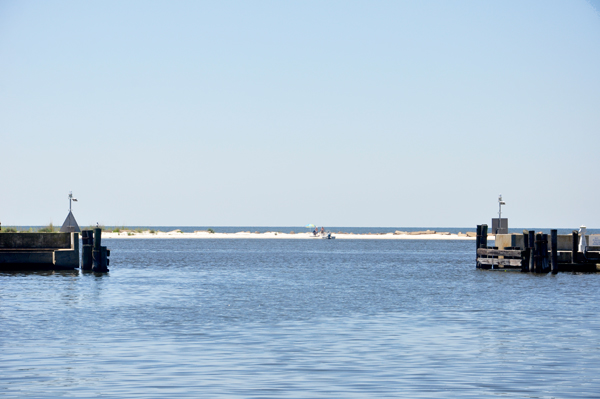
column 178, row 234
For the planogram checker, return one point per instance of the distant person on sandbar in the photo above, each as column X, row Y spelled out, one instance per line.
column 315, row 231
column 322, row 230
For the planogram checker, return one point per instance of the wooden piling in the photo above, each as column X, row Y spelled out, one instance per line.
column 99, row 253
column 554, row 251
column 545, row 264
column 525, row 253
column 104, row 252
column 87, row 239
column 484, row 234
column 537, row 268
column 531, row 245
column 575, row 245
column 531, row 251
column 531, row 238
column 97, row 238
column 477, row 245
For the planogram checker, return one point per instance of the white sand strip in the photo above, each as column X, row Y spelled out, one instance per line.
column 176, row 234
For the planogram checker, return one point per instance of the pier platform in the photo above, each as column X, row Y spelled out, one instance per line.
column 537, row 252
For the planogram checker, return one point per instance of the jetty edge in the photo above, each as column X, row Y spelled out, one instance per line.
column 39, row 251
column 532, row 252
column 23, row 252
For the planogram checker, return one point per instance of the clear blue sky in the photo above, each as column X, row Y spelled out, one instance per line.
column 339, row 113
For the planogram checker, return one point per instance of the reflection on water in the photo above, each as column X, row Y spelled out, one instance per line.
column 24, row 273
column 246, row 318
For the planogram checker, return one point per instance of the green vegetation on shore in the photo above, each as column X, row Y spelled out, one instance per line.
column 50, row 228
column 16, row 229
column 130, row 231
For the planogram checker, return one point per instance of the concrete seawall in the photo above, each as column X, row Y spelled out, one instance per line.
column 30, row 251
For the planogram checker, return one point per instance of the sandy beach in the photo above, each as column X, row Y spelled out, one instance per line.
column 178, row 234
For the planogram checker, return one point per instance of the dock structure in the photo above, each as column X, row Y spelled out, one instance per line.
column 537, row 252
column 54, row 251
column 23, row 252
column 39, row 251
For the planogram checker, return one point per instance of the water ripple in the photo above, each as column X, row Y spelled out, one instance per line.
column 219, row 318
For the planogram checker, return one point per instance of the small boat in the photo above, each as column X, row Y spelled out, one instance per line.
column 328, row 236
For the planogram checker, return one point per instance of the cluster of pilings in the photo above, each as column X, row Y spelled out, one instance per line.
column 535, row 252
column 94, row 257
column 535, row 256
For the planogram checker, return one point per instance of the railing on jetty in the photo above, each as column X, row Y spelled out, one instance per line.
column 536, row 253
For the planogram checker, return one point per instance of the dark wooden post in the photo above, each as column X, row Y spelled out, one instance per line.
column 574, row 248
column 97, row 238
column 477, row 245
column 544, row 254
column 531, row 239
column 484, row 234
column 554, row 251
column 537, row 266
column 104, row 252
column 96, row 249
column 525, row 252
column 87, row 238
column 99, row 253
column 533, row 256
column 531, row 251
column 525, row 260
column 540, row 253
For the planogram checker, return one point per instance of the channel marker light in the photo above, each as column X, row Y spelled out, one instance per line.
column 71, row 199
column 500, row 203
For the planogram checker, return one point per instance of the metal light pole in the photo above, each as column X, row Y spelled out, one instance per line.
column 71, row 199
column 500, row 203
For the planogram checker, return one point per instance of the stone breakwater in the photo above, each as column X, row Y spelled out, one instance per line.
column 397, row 235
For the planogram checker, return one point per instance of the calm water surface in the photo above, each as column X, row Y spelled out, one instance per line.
column 298, row 318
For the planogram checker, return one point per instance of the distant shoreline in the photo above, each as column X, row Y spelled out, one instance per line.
column 204, row 234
